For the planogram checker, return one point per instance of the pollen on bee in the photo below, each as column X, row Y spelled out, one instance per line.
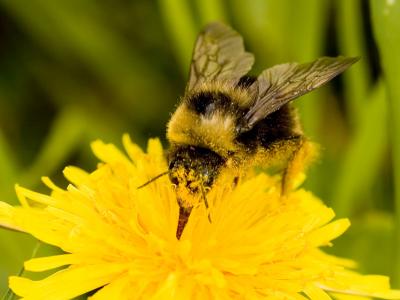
column 185, row 183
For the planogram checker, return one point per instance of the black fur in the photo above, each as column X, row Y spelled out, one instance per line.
column 275, row 127
column 246, row 81
column 207, row 102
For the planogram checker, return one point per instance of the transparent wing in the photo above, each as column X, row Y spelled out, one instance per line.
column 218, row 55
column 280, row 84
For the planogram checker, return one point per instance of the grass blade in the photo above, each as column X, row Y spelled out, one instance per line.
column 363, row 153
column 181, row 28
column 211, row 10
column 351, row 37
column 386, row 25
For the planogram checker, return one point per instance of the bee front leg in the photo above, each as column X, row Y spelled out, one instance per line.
column 303, row 154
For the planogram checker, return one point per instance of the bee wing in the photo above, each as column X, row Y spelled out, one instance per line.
column 218, row 55
column 280, row 84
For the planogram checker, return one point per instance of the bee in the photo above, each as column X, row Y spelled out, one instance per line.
column 228, row 121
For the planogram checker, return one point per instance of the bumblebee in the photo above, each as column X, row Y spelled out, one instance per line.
column 228, row 121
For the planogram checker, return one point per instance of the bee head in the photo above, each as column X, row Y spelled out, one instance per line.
column 191, row 167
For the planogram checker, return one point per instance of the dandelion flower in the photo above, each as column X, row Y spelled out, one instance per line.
column 119, row 241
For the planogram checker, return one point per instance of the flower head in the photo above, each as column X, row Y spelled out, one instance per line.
column 120, row 240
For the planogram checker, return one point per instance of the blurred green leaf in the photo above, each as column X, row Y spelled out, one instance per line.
column 15, row 248
column 9, row 294
column 211, row 10
column 352, row 42
column 181, row 28
column 386, row 23
column 363, row 158
column 263, row 23
column 368, row 235
column 98, row 120
column 65, row 135
column 87, row 38
column 9, row 170
column 307, row 23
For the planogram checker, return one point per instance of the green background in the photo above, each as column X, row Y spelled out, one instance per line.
column 72, row 71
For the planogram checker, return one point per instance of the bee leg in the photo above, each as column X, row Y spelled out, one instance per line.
column 203, row 193
column 303, row 154
column 184, row 214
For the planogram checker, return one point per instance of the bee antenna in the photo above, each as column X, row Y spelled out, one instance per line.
column 153, row 179
column 203, row 194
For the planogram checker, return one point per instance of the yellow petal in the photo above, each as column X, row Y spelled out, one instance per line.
column 324, row 235
column 75, row 175
column 121, row 240
column 41, row 264
column 24, row 194
column 315, row 293
column 66, row 284
column 108, row 153
column 7, row 219
column 134, row 151
column 114, row 290
column 167, row 290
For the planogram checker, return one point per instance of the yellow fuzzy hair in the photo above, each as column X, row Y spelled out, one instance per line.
column 216, row 133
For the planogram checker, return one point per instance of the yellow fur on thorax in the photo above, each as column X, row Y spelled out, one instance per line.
column 216, row 133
